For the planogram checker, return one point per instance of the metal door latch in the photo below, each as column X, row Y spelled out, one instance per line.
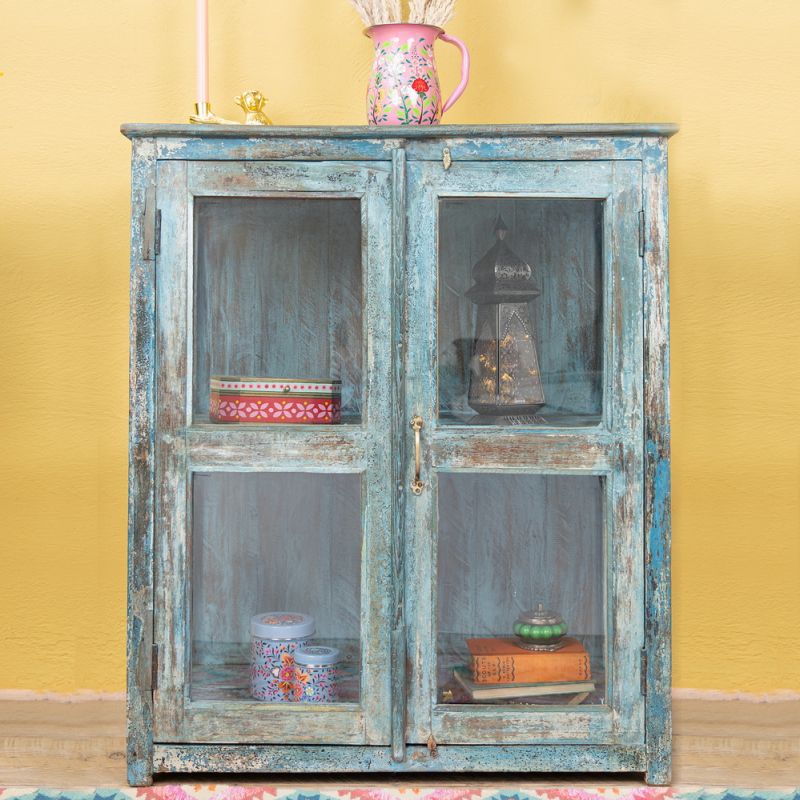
column 417, row 485
column 432, row 746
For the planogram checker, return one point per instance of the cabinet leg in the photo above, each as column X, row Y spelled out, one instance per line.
column 139, row 774
column 140, row 766
column 659, row 772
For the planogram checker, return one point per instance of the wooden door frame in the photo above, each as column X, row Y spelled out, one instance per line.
column 613, row 449
column 183, row 448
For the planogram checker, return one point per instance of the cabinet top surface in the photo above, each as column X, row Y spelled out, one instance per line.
column 139, row 130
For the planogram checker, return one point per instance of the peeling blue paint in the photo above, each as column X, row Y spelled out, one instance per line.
column 632, row 160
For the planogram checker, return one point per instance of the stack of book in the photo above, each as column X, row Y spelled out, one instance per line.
column 501, row 670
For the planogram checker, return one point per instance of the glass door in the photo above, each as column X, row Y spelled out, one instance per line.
column 524, row 593
column 273, row 386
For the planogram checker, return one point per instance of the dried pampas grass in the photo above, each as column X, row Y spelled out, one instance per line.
column 416, row 10
column 363, row 11
column 423, row 12
column 378, row 12
column 390, row 10
column 431, row 12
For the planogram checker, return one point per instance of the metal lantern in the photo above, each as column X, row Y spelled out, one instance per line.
column 504, row 380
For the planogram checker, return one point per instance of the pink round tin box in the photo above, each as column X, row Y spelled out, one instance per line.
column 275, row 400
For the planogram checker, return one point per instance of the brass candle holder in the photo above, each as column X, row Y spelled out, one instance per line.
column 251, row 101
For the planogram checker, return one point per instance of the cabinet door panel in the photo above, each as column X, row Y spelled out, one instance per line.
column 507, row 540
column 273, row 271
column 273, row 300
column 525, row 365
column 297, row 545
column 550, row 324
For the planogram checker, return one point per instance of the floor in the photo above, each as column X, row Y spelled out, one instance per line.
column 717, row 743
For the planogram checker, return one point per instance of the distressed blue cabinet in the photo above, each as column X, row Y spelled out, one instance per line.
column 430, row 515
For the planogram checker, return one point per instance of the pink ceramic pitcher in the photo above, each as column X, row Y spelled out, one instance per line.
column 404, row 86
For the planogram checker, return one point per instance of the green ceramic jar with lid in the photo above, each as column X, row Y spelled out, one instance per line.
column 540, row 629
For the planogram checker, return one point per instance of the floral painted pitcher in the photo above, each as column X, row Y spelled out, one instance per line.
column 404, row 87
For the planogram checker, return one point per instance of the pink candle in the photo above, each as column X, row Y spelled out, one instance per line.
column 202, row 52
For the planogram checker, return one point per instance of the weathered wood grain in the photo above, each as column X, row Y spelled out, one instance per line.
column 377, row 502
column 399, row 455
column 625, row 604
column 569, row 147
column 448, row 758
column 303, row 149
column 309, row 448
column 657, row 509
column 350, row 235
column 546, row 148
column 420, row 510
column 493, row 448
column 141, row 467
column 466, row 143
column 399, row 132
column 464, row 725
column 172, row 573
column 273, row 723
column 249, row 178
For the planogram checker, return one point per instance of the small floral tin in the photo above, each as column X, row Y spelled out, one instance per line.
column 275, row 637
column 283, row 400
column 316, row 672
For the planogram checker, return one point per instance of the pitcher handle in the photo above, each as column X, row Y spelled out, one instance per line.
column 459, row 90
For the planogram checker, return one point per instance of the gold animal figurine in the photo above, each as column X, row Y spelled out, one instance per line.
column 252, row 102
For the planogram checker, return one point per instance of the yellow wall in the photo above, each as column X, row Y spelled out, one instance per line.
column 726, row 70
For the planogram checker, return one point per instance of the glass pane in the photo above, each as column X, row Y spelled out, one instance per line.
column 508, row 543
column 520, row 311
column 278, row 293
column 274, row 542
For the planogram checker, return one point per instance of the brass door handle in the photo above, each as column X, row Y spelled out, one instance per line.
column 417, row 485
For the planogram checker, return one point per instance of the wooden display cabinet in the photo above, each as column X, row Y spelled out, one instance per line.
column 348, row 253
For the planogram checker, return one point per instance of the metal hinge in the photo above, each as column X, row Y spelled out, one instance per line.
column 432, row 746
column 154, row 669
column 643, row 667
column 447, row 159
column 151, row 226
column 641, row 233
column 157, row 237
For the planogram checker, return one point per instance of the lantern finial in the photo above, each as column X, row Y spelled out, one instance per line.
column 504, row 379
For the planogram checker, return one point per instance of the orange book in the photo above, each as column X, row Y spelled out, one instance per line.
column 503, row 661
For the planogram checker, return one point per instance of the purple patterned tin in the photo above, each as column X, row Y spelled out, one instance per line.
column 275, row 636
column 316, row 672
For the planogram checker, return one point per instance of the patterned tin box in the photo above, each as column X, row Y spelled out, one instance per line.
column 274, row 638
column 281, row 400
column 316, row 674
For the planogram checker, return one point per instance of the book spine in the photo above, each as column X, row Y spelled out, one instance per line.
column 526, row 669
